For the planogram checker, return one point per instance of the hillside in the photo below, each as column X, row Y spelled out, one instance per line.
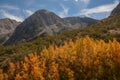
column 105, row 29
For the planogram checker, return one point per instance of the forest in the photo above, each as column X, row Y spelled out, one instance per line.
column 83, row 59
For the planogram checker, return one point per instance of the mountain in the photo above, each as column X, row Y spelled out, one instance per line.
column 44, row 22
column 116, row 10
column 7, row 26
column 41, row 23
column 78, row 22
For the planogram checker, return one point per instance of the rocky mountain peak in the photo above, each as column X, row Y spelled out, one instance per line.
column 42, row 22
column 43, row 11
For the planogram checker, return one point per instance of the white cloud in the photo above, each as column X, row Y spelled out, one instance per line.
column 8, row 15
column 99, row 9
column 29, row 12
column 84, row 1
column 9, row 7
column 64, row 13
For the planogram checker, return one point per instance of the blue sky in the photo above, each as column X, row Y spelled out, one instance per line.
column 21, row 9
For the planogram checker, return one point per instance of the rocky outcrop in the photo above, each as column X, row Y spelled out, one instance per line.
column 116, row 11
column 7, row 26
